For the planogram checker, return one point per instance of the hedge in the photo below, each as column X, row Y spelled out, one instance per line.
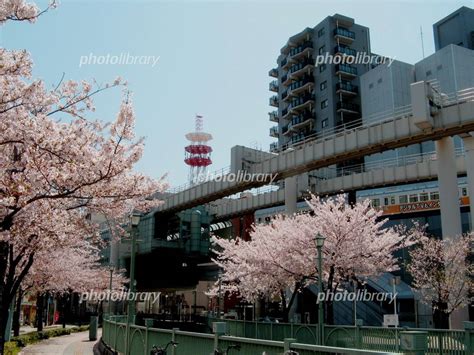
column 34, row 337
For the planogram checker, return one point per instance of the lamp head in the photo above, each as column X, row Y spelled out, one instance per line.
column 135, row 219
column 319, row 241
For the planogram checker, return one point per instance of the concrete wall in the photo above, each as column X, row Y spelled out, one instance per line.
column 456, row 28
column 451, row 69
column 385, row 88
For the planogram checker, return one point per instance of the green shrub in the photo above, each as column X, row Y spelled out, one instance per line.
column 11, row 348
column 34, row 337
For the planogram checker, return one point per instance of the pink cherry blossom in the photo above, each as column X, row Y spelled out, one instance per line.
column 281, row 255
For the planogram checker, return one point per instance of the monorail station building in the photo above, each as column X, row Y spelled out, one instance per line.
column 396, row 133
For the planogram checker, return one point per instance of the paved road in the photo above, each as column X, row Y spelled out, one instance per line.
column 73, row 344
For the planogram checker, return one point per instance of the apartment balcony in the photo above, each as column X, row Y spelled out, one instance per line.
column 274, row 131
column 285, row 130
column 284, row 96
column 299, row 137
column 303, row 49
column 285, row 63
column 285, row 80
column 273, row 116
column 273, row 86
column 300, row 122
column 285, row 113
column 347, row 107
column 274, row 101
column 341, row 50
column 296, row 40
column 306, row 66
column 273, row 73
column 343, row 35
column 346, row 88
column 274, row 147
column 297, row 87
column 346, row 71
column 301, row 102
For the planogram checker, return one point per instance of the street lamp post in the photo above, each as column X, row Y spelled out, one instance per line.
column 134, row 221
column 111, row 270
column 319, row 247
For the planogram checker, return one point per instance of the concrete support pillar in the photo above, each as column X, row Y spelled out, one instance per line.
column 290, row 195
column 448, row 188
column 469, row 163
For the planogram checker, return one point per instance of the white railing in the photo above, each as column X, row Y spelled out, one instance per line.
column 330, row 172
column 209, row 176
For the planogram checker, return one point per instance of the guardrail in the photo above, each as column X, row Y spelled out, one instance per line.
column 133, row 339
column 440, row 341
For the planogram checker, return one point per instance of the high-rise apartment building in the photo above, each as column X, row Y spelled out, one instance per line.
column 309, row 95
column 456, row 28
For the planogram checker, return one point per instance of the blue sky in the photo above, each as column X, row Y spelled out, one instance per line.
column 214, row 60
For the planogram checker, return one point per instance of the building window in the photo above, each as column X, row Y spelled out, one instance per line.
column 403, row 199
column 324, row 103
column 322, row 49
column 321, row 32
column 324, row 123
column 323, row 85
column 379, row 81
column 439, row 67
column 390, row 200
column 322, row 68
column 414, row 198
column 464, row 191
column 424, row 196
column 428, row 73
column 434, row 195
column 371, row 85
column 375, row 202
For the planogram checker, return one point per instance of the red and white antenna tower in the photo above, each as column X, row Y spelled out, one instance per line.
column 198, row 153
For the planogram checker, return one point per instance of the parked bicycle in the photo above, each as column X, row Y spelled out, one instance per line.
column 226, row 352
column 158, row 350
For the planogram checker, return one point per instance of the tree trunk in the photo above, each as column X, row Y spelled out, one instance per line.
column 440, row 316
column 17, row 313
column 329, row 312
column 63, row 301
column 39, row 312
column 4, row 301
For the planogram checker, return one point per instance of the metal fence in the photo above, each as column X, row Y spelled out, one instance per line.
column 138, row 340
column 440, row 341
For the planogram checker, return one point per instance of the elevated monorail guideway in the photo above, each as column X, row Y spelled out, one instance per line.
column 431, row 117
column 411, row 169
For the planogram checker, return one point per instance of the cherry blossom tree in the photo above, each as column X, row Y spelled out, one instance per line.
column 281, row 255
column 57, row 166
column 66, row 270
column 443, row 274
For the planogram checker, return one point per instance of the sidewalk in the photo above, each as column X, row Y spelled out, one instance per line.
column 73, row 344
